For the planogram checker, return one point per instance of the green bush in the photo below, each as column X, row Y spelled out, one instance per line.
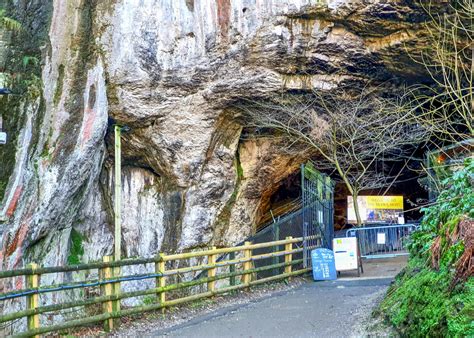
column 420, row 304
column 423, row 302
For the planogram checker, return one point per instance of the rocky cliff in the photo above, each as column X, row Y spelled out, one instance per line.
column 172, row 70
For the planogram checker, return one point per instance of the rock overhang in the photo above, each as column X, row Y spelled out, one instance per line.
column 173, row 70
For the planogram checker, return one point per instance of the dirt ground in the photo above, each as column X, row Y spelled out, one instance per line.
column 378, row 268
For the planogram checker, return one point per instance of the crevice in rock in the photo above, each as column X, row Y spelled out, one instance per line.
column 83, row 45
column 224, row 217
column 190, row 5
column 280, row 198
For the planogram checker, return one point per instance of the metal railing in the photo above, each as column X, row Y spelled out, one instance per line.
column 167, row 277
column 382, row 241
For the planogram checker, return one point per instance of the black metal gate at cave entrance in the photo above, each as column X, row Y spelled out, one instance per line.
column 317, row 193
column 313, row 221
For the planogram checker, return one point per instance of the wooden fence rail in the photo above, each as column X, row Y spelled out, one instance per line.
column 110, row 279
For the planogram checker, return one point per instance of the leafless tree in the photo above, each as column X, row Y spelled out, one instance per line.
column 350, row 132
column 446, row 106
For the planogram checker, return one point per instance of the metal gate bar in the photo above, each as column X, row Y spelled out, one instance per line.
column 382, row 241
column 318, row 210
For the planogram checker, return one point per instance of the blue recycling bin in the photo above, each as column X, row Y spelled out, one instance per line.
column 324, row 265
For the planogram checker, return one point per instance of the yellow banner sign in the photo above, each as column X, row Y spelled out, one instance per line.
column 373, row 209
column 384, row 202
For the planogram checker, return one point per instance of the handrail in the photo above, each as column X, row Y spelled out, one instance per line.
column 97, row 282
column 145, row 308
column 109, row 278
column 101, row 299
column 77, row 267
column 231, row 249
column 140, row 261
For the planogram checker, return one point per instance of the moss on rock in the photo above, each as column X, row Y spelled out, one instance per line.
column 76, row 248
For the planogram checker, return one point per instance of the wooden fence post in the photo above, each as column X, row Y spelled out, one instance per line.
column 232, row 268
column 32, row 301
column 288, row 257
column 157, row 272
column 248, row 264
column 107, row 290
column 161, row 280
column 211, row 260
column 116, row 291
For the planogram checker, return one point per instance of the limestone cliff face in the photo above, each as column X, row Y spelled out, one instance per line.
column 172, row 70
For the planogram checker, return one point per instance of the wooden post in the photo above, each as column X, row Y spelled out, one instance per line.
column 211, row 260
column 32, row 301
column 161, row 281
column 288, row 257
column 117, row 272
column 247, row 265
column 232, row 268
column 157, row 279
column 107, row 290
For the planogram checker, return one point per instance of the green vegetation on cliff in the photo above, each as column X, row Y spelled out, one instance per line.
column 20, row 71
column 434, row 295
column 76, row 249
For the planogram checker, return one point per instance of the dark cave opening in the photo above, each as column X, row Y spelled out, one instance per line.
column 286, row 199
column 289, row 190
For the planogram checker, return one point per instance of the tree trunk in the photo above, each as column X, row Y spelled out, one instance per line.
column 351, row 189
column 356, row 209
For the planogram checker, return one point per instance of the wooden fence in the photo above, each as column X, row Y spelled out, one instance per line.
column 110, row 279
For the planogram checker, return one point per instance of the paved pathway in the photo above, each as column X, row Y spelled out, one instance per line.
column 316, row 309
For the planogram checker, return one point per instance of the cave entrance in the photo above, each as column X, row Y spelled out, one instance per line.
column 285, row 200
column 306, row 193
column 302, row 206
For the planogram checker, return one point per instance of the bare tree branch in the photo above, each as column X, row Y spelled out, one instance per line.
column 348, row 130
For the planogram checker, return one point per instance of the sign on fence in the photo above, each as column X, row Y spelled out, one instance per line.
column 376, row 209
column 381, row 238
column 382, row 241
column 324, row 267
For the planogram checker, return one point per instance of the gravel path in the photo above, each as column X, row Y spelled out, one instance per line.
column 300, row 309
column 182, row 314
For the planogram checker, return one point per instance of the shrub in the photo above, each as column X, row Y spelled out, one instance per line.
column 434, row 295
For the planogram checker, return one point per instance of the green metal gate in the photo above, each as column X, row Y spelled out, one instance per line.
column 317, row 210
